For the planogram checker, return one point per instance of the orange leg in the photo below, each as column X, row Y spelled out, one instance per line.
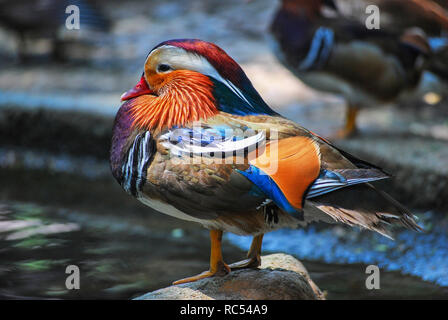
column 217, row 265
column 350, row 123
column 253, row 256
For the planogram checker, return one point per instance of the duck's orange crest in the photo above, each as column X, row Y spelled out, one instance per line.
column 184, row 97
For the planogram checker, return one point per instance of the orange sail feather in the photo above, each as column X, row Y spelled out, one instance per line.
column 293, row 163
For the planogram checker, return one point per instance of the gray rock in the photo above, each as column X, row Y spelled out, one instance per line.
column 280, row 277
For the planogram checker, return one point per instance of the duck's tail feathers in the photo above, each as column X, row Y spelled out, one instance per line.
column 365, row 206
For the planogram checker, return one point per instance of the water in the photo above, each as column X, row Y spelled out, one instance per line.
column 37, row 244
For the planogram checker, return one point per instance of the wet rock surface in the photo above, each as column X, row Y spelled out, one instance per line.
column 280, row 277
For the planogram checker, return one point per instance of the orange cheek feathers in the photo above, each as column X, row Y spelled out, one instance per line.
column 185, row 96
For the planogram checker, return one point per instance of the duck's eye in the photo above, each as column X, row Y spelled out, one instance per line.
column 163, row 68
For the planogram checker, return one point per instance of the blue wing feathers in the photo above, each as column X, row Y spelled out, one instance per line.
column 268, row 187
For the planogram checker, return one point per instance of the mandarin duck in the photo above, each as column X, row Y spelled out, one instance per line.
column 331, row 53
column 195, row 140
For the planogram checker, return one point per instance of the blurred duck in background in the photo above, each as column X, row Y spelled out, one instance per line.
column 333, row 53
column 429, row 17
column 46, row 19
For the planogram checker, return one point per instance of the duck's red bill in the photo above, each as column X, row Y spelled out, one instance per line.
column 140, row 89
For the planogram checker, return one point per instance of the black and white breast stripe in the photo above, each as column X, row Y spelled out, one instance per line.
column 139, row 157
column 319, row 50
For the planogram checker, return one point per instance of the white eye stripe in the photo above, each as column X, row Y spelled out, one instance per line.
column 179, row 58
